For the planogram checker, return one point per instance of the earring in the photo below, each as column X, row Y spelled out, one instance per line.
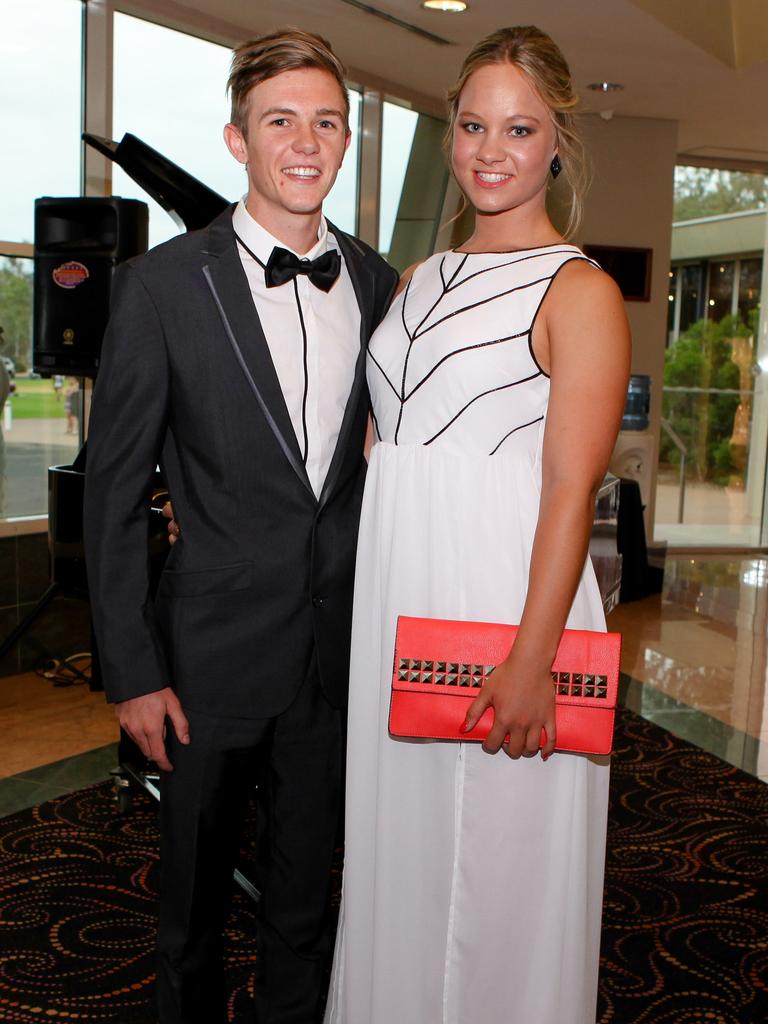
column 555, row 167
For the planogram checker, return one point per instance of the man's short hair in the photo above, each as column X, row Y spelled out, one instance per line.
column 287, row 49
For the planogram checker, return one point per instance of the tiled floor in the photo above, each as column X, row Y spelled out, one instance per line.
column 694, row 661
column 54, row 740
column 29, row 788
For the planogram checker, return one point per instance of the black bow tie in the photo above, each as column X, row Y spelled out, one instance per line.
column 283, row 266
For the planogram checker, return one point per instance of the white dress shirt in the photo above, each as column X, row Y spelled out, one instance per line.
column 316, row 372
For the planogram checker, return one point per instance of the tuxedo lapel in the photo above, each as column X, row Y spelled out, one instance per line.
column 226, row 279
column 362, row 283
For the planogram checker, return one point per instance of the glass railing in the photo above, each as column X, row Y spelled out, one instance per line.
column 714, row 423
column 709, row 488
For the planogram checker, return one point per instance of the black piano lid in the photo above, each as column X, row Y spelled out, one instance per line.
column 190, row 202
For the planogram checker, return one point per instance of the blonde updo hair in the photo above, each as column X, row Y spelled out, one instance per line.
column 541, row 60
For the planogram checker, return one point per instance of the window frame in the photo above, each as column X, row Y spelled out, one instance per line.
column 97, row 75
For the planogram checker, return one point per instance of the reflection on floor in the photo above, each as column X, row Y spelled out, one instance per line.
column 695, row 656
column 694, row 661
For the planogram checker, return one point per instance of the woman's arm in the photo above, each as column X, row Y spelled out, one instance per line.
column 582, row 339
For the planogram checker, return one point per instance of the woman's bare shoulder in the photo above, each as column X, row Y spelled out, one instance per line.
column 581, row 280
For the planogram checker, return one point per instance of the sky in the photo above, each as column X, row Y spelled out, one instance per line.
column 39, row 140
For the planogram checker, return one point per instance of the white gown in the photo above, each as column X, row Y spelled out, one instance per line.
column 472, row 884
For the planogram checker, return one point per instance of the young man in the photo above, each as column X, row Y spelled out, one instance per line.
column 235, row 358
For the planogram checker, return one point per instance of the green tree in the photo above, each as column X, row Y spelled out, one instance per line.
column 704, row 192
column 701, row 358
column 16, row 310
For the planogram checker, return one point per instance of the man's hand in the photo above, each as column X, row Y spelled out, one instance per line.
column 143, row 718
column 173, row 527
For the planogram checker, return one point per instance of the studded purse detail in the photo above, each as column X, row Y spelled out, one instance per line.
column 440, row 665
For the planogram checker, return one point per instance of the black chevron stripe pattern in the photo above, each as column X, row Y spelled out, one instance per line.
column 453, row 361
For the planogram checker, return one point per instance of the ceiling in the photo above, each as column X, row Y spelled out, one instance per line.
column 702, row 63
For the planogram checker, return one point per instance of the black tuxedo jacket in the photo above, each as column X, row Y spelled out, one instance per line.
column 262, row 575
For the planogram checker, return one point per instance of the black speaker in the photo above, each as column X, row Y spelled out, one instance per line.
column 78, row 244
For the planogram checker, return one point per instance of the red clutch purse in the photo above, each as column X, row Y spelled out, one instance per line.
column 441, row 664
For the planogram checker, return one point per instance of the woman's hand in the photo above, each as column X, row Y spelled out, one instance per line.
column 523, row 702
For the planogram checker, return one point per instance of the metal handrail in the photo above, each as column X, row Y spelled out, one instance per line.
column 679, row 444
column 709, row 391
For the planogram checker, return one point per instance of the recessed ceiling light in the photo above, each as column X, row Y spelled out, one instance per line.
column 447, row 6
column 605, row 86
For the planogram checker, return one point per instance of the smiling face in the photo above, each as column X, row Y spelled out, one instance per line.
column 503, row 142
column 294, row 144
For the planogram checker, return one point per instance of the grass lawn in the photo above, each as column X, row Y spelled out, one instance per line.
column 36, row 399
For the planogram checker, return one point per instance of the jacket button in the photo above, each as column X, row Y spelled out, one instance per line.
column 318, row 602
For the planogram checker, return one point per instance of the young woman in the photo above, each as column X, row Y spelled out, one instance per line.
column 473, row 874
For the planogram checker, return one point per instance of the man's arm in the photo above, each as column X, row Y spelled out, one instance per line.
column 125, row 438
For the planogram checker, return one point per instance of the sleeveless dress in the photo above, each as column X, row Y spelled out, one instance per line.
column 472, row 883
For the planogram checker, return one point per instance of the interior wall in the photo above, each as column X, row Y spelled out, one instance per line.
column 630, row 203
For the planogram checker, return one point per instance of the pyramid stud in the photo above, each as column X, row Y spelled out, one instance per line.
column 402, row 663
column 402, row 676
column 440, row 678
column 452, row 679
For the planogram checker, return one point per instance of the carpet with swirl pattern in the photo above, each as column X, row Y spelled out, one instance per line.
column 685, row 925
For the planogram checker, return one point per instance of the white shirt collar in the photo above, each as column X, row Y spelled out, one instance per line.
column 261, row 242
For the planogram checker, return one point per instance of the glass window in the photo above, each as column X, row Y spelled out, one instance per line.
column 750, row 280
column 720, row 291
column 39, row 419
column 169, row 90
column 341, row 205
column 413, row 180
column 690, row 296
column 399, row 127
column 40, row 96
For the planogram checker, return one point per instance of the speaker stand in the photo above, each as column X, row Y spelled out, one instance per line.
column 28, row 619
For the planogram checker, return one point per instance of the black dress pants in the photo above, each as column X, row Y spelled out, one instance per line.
column 297, row 757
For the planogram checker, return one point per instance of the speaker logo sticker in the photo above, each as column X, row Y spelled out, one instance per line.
column 70, row 274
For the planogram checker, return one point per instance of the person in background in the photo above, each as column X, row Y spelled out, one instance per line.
column 72, row 404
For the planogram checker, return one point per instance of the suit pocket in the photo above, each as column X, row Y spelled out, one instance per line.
column 222, row 579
